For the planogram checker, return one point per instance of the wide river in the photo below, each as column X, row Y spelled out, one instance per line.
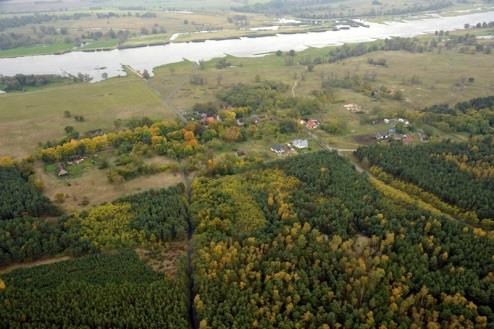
column 147, row 58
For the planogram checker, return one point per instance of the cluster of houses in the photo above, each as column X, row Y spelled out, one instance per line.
column 310, row 123
column 206, row 119
column 391, row 134
column 299, row 144
column 203, row 118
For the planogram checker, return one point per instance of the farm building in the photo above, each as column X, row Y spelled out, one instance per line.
column 279, row 148
column 301, row 143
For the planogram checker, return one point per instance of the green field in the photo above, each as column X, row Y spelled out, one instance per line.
column 37, row 50
column 38, row 116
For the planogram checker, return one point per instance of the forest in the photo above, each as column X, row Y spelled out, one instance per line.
column 106, row 284
column 21, row 82
column 161, row 214
column 459, row 173
column 441, row 39
column 96, row 291
column 26, row 239
column 475, row 116
column 328, row 251
column 20, row 197
column 155, row 216
column 305, row 241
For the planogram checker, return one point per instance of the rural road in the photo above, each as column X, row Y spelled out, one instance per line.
column 336, row 149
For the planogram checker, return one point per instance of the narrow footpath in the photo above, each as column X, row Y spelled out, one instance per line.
column 190, row 268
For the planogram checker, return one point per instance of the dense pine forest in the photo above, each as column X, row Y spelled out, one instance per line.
column 326, row 250
column 303, row 242
column 111, row 286
column 98, row 291
column 459, row 173
column 19, row 197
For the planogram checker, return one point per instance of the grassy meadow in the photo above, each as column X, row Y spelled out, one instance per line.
column 92, row 185
column 27, row 118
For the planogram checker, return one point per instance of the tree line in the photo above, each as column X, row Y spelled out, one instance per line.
column 19, row 196
column 475, row 116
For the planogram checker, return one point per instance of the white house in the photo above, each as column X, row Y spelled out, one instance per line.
column 301, row 143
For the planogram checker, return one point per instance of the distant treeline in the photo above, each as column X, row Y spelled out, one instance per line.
column 21, row 81
column 322, row 9
column 413, row 45
column 16, row 21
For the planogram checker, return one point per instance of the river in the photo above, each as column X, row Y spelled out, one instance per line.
column 147, row 58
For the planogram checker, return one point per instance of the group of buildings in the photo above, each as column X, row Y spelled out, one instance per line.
column 299, row 144
column 392, row 134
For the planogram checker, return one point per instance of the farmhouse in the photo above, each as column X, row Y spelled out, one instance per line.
column 381, row 136
column 278, row 148
column 301, row 143
column 312, row 124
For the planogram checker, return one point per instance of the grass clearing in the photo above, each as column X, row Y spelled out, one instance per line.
column 164, row 259
column 94, row 186
column 47, row 261
column 147, row 40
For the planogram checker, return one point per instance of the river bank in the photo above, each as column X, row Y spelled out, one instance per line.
column 148, row 58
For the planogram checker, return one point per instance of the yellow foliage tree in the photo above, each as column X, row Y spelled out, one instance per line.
column 107, row 227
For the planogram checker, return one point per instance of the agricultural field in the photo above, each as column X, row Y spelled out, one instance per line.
column 198, row 5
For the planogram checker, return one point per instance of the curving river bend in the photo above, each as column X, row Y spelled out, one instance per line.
column 147, row 58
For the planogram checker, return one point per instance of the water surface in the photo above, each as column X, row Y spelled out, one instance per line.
column 147, row 58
